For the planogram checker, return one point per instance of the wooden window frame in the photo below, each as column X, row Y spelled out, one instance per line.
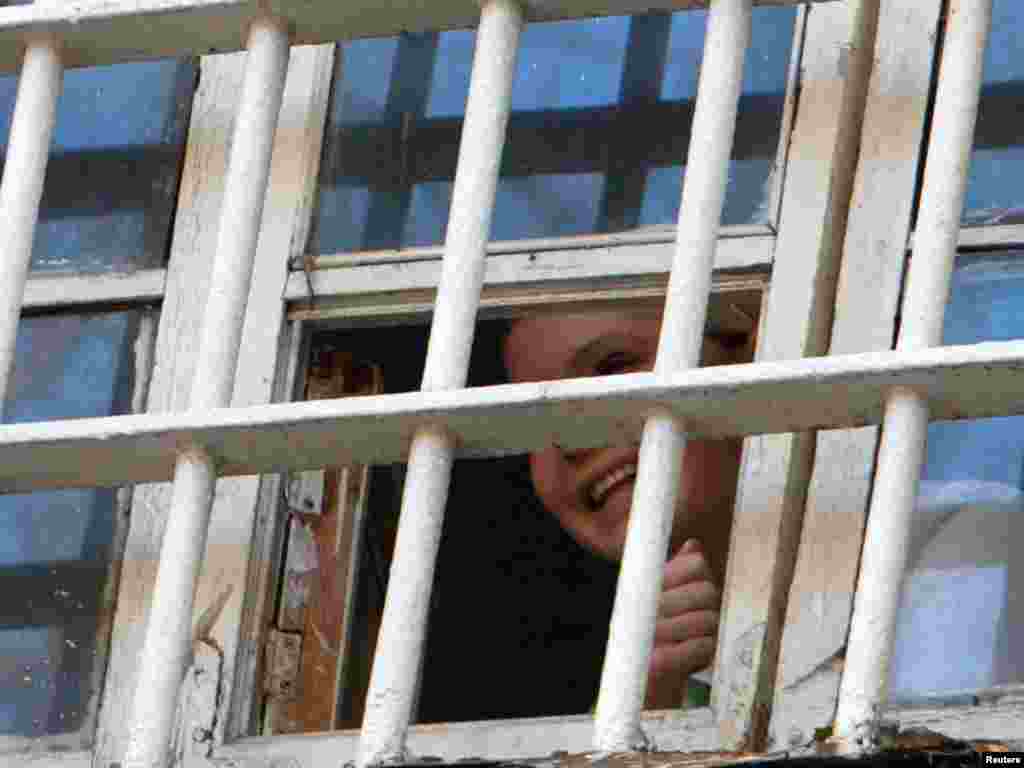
column 772, row 529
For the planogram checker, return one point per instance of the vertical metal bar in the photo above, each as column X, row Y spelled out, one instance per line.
column 901, row 452
column 244, row 191
column 167, row 650
column 403, row 628
column 631, row 636
column 21, row 190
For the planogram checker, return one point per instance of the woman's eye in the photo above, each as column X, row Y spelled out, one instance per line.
column 614, row 363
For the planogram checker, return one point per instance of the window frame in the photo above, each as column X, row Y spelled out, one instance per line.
column 747, row 252
column 82, row 291
column 331, row 282
column 245, row 530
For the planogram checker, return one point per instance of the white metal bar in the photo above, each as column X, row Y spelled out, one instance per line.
column 901, row 452
column 167, row 648
column 244, row 191
column 961, row 382
column 122, row 30
column 21, row 189
column 399, row 653
column 23, row 752
column 631, row 635
column 964, row 382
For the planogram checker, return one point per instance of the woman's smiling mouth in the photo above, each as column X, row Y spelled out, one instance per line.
column 600, row 490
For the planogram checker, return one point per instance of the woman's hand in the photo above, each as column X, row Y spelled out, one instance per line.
column 687, row 628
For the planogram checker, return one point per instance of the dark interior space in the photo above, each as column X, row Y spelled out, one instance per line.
column 519, row 611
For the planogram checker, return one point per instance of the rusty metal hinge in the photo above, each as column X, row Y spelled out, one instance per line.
column 283, row 658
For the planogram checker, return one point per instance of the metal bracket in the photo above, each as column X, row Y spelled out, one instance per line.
column 284, row 655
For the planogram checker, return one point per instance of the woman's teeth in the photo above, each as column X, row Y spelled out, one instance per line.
column 600, row 490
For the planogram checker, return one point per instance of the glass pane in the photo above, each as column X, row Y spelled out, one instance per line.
column 961, row 625
column 584, row 92
column 55, row 547
column 112, row 178
column 993, row 189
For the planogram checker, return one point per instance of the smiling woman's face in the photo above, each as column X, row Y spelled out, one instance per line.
column 591, row 491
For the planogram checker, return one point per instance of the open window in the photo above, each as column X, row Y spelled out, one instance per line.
column 512, row 583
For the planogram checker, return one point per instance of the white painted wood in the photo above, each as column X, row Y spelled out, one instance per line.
column 661, row 234
column 691, row 730
column 532, row 739
column 395, row 674
column 961, row 382
column 631, row 633
column 107, row 31
column 21, row 188
column 795, row 323
column 404, row 271
column 731, row 311
column 165, row 652
column 244, row 521
column 242, row 531
column 70, row 290
column 901, row 452
column 986, row 721
column 1000, row 236
column 778, row 175
column 31, row 759
column 195, row 231
column 821, row 596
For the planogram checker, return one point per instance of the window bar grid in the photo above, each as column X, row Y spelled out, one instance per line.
column 902, row 447
column 399, row 653
column 631, row 635
column 21, row 190
column 168, row 643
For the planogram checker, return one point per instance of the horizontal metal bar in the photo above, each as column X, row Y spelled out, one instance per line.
column 109, row 31
column 670, row 731
column 62, row 290
column 972, row 381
